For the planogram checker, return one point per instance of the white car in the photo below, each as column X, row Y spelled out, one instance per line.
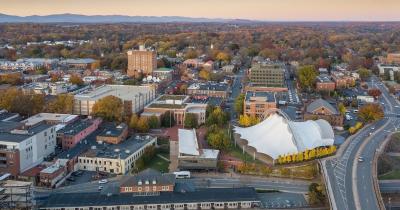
column 103, row 181
column 360, row 159
column 100, row 188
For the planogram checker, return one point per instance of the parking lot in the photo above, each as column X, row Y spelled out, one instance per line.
column 282, row 200
column 84, row 177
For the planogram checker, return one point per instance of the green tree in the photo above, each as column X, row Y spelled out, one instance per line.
column 218, row 117
column 218, row 139
column 364, row 73
column 190, row 120
column 167, row 119
column 239, row 104
column 109, row 108
column 153, row 122
column 307, row 76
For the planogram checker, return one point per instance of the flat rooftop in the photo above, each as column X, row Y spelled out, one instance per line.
column 324, row 78
column 169, row 102
column 260, row 96
column 76, row 127
column 126, row 92
column 19, row 135
column 121, row 150
column 113, row 130
column 61, row 118
column 209, row 86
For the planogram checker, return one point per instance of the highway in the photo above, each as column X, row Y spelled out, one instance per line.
column 350, row 181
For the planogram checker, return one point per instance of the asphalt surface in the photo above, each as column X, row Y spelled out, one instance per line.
column 389, row 186
column 350, row 181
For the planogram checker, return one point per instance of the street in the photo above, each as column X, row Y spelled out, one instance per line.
column 350, row 181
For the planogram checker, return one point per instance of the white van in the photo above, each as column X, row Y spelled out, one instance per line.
column 182, row 174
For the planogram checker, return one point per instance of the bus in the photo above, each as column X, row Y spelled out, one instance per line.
column 182, row 174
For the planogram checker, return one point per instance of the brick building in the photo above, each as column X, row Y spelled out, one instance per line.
column 73, row 133
column 113, row 134
column 324, row 83
column 141, row 62
column 321, row 109
column 258, row 103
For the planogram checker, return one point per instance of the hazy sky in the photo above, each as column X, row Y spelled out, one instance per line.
column 275, row 10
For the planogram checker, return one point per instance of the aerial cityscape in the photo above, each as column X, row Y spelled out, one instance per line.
column 180, row 105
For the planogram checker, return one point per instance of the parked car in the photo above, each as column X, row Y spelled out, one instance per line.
column 103, row 181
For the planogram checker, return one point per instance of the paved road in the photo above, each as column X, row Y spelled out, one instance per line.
column 350, row 181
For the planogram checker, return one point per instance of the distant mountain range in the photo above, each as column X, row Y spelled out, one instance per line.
column 74, row 18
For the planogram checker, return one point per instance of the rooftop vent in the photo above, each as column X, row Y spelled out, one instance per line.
column 147, row 182
column 154, row 181
column 139, row 182
column 127, row 151
column 116, row 150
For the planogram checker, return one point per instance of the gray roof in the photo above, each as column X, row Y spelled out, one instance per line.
column 321, row 103
column 76, row 127
column 112, row 129
column 6, row 135
column 61, row 200
column 149, row 175
column 269, row 96
column 121, row 150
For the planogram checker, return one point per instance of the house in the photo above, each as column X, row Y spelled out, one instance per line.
column 324, row 83
column 321, row 109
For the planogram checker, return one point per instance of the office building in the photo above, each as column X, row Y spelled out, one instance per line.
column 141, row 62
column 134, row 98
column 208, row 89
column 267, row 74
column 257, row 104
column 115, row 158
column 178, row 106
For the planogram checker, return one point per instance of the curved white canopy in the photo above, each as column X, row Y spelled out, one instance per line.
column 277, row 136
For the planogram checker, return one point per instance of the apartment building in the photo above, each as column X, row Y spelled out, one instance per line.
column 258, row 103
column 267, row 74
column 134, row 98
column 23, row 147
column 324, row 83
column 141, row 62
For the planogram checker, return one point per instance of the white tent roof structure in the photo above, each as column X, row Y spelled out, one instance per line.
column 278, row 136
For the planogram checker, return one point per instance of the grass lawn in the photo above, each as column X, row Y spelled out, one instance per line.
column 158, row 164
column 395, row 174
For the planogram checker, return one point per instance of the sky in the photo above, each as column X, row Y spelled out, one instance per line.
column 268, row 10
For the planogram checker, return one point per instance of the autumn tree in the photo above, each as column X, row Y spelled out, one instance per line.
column 247, row 121
column 133, row 123
column 109, row 108
column 364, row 73
column 218, row 138
column 217, row 117
column 143, row 125
column 24, row 103
column 76, row 80
column 342, row 108
column 307, row 76
column 204, row 74
column 316, row 194
column 374, row 92
column 63, row 103
column 370, row 112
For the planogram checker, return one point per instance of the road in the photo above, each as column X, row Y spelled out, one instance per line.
column 350, row 181
column 236, row 90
